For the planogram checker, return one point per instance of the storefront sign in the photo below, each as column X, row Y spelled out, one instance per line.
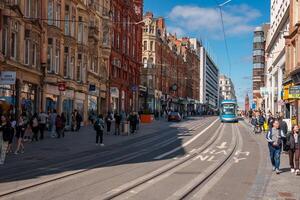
column 7, row 78
column 294, row 92
column 61, row 86
column 69, row 94
column 53, row 90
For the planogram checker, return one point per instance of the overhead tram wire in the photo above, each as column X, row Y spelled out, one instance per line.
column 224, row 32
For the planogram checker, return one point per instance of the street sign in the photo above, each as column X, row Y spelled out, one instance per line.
column 134, row 88
column 7, row 78
column 61, row 86
column 294, row 92
column 253, row 106
column 92, row 88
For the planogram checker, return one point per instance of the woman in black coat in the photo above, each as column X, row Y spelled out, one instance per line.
column 293, row 142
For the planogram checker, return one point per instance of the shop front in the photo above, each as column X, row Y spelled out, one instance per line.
column 8, row 93
column 51, row 98
column 68, row 106
column 79, row 103
column 28, row 98
column 93, row 101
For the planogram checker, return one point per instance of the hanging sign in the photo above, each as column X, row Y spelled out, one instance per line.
column 7, row 78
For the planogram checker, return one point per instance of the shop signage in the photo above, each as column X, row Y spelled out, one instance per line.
column 61, row 86
column 92, row 88
column 69, row 94
column 294, row 92
column 7, row 78
column 134, row 88
column 253, row 106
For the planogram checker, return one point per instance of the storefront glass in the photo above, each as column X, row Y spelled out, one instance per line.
column 7, row 99
column 51, row 103
column 68, row 109
column 92, row 106
column 28, row 98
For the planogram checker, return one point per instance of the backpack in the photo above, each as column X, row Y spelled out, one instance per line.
column 98, row 126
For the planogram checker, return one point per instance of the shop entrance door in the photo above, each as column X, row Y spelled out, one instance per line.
column 67, row 109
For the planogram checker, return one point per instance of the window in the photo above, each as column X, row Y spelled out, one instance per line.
column 105, row 35
column 34, row 54
column 26, row 52
column 145, row 45
column 67, row 22
column 27, row 8
column 151, row 45
column 78, row 68
column 57, row 15
column 118, row 41
column 13, row 47
column 80, row 30
column 57, row 57
column 66, row 62
column 71, row 67
column 50, row 55
column 124, row 44
column 50, row 12
column 4, row 40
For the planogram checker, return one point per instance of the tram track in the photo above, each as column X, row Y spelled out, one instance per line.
column 115, row 161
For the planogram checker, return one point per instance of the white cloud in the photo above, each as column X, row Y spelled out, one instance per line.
column 207, row 21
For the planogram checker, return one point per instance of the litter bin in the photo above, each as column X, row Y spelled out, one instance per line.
column 125, row 128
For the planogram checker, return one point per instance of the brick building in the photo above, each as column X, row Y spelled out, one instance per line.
column 60, row 52
column 126, row 55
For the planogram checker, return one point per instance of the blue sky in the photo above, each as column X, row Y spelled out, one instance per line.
column 200, row 18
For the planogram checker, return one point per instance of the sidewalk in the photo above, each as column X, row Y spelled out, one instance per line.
column 73, row 143
column 284, row 186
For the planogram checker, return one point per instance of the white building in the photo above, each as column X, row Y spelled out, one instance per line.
column 209, row 76
column 275, row 54
column 227, row 90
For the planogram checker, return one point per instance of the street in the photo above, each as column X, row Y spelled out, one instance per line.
column 199, row 158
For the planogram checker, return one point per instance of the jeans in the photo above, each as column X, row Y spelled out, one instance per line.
column 42, row 129
column 275, row 155
column 35, row 131
column 3, row 148
column 294, row 155
column 99, row 134
column 117, row 128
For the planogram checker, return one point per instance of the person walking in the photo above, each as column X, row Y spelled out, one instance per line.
column 99, row 128
column 284, row 128
column 132, row 122
column 108, row 120
column 293, row 143
column 6, row 132
column 42, row 123
column 20, row 132
column 58, row 125
column 73, row 123
column 35, row 127
column 64, row 121
column 117, row 123
column 53, row 116
column 78, row 120
column 274, row 138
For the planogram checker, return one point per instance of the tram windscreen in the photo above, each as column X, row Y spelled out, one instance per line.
column 228, row 109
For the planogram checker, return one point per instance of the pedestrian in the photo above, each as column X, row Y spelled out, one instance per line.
column 132, row 122
column 293, row 143
column 137, row 121
column 6, row 132
column 78, row 120
column 64, row 121
column 99, row 128
column 117, row 123
column 13, row 125
column 20, row 132
column 58, row 125
column 53, row 116
column 42, row 123
column 35, row 127
column 108, row 120
column 284, row 128
column 274, row 138
column 270, row 120
column 73, row 123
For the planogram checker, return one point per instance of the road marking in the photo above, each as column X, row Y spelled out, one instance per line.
column 193, row 150
column 222, row 146
column 223, row 151
column 186, row 143
column 247, row 153
column 237, row 160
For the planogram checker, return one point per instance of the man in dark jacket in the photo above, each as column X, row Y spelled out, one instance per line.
column 284, row 128
column 7, row 132
column 117, row 123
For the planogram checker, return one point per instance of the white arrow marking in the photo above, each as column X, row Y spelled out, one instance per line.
column 247, row 153
column 237, row 160
column 222, row 146
column 209, row 151
column 223, row 151
column 211, row 159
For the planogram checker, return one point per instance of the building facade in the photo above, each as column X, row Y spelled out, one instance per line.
column 292, row 69
column 276, row 55
column 60, row 52
column 258, row 77
column 227, row 90
column 126, row 55
column 209, row 81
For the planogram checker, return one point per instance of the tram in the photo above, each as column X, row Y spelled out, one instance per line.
column 228, row 111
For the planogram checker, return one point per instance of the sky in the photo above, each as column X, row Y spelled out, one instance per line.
column 201, row 19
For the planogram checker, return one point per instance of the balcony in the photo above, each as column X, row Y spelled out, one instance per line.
column 94, row 31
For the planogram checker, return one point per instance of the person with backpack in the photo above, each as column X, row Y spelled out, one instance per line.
column 274, row 138
column 58, row 125
column 64, row 121
column 99, row 128
column 284, row 128
column 6, row 132
column 78, row 120
column 293, row 144
column 35, row 127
